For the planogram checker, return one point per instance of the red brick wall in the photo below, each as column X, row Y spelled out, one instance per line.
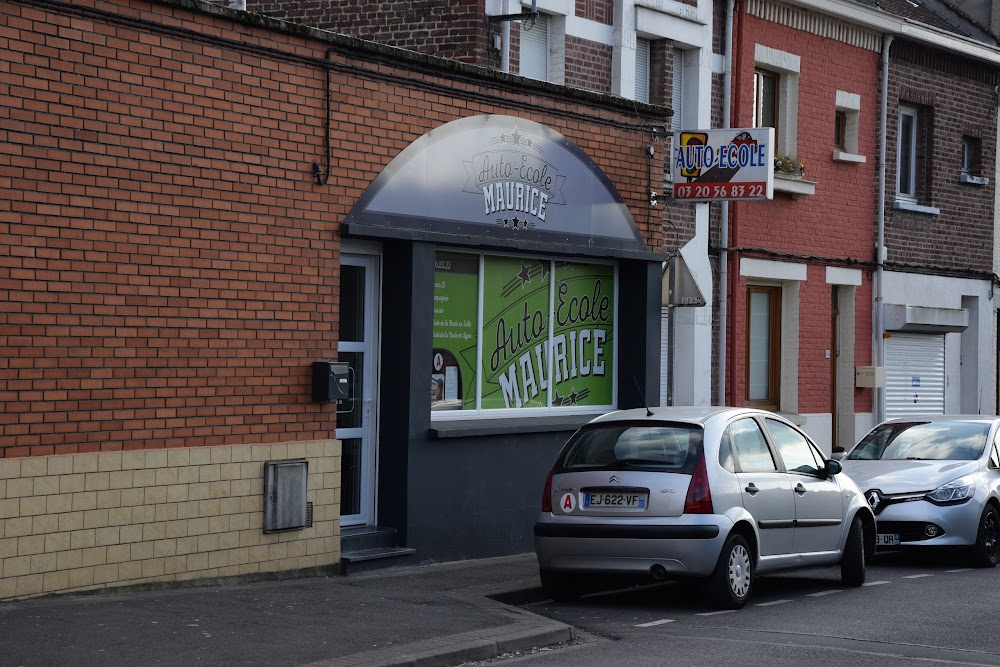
column 601, row 11
column 836, row 222
column 168, row 262
column 962, row 97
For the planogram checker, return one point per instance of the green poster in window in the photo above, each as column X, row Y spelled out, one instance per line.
column 583, row 336
column 456, row 304
column 515, row 332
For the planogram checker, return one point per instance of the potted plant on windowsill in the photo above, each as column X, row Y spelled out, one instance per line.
column 789, row 176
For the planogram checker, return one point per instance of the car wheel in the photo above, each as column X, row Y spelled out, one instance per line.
column 986, row 553
column 732, row 580
column 560, row 586
column 852, row 564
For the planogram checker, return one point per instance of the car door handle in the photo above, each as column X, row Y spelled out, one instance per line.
column 799, row 489
column 751, row 489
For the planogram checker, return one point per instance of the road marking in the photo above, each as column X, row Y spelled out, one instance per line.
column 771, row 603
column 822, row 593
column 652, row 623
column 716, row 613
column 917, row 576
column 961, row 569
column 875, row 583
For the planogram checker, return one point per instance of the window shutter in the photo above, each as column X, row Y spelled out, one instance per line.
column 642, row 70
column 534, row 54
column 677, row 91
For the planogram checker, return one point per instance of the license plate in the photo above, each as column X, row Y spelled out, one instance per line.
column 887, row 539
column 602, row 500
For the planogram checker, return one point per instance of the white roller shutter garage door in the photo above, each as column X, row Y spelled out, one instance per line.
column 914, row 374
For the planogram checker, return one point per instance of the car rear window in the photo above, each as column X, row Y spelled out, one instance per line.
column 664, row 447
column 932, row 441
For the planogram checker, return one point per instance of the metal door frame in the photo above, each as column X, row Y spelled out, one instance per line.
column 369, row 257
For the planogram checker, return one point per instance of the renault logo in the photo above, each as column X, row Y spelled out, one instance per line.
column 873, row 498
column 614, row 478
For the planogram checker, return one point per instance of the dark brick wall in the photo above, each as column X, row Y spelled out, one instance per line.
column 601, row 11
column 588, row 65
column 961, row 100
column 457, row 29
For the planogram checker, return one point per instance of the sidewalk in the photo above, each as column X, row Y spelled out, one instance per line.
column 422, row 615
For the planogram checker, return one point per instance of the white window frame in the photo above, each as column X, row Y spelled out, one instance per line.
column 911, row 112
column 850, row 105
column 787, row 66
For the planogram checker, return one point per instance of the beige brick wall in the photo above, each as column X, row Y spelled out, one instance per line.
column 84, row 521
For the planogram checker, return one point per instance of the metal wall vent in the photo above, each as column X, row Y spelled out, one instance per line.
column 285, row 495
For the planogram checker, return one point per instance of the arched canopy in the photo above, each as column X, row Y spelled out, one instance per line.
column 497, row 180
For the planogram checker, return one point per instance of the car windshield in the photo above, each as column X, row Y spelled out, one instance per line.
column 626, row 446
column 933, row 441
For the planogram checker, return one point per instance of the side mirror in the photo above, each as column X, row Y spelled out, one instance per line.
column 833, row 467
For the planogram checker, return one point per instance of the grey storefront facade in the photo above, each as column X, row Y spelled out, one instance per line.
column 502, row 234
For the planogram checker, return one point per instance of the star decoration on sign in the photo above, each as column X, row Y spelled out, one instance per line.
column 545, row 268
column 574, row 397
column 524, row 275
column 517, row 222
column 516, row 136
column 558, row 400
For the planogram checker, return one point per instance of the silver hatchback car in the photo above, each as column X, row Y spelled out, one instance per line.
column 933, row 481
column 720, row 493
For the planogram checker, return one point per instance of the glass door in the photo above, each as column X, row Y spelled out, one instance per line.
column 356, row 423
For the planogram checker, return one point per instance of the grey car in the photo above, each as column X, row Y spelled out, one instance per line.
column 933, row 481
column 717, row 493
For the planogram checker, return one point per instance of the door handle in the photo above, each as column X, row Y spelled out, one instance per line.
column 751, row 489
column 799, row 489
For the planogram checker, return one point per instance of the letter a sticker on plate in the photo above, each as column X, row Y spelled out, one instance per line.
column 568, row 502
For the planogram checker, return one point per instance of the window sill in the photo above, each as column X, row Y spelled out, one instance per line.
column 793, row 185
column 969, row 179
column 854, row 158
column 473, row 428
column 914, row 207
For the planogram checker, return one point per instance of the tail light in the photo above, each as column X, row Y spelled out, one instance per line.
column 547, row 493
column 699, row 496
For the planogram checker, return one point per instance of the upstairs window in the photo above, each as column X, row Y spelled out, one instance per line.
column 913, row 153
column 840, row 130
column 765, row 99
column 534, row 53
column 642, row 69
column 972, row 157
column 776, row 97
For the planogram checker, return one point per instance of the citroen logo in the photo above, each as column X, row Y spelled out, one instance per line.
column 614, row 478
column 873, row 498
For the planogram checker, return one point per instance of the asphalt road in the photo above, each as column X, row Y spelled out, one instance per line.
column 914, row 609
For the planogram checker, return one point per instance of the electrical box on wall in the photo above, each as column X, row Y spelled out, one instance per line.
column 869, row 376
column 330, row 381
column 285, row 495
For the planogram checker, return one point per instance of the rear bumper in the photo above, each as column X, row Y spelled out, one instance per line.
column 688, row 549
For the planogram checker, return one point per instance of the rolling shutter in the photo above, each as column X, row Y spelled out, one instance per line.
column 534, row 55
column 665, row 343
column 642, row 70
column 677, row 91
column 914, row 374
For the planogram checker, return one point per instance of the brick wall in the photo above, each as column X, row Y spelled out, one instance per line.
column 835, row 226
column 169, row 263
column 457, row 30
column 601, row 11
column 962, row 101
column 588, row 65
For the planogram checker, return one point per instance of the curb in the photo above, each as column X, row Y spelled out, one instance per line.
column 485, row 649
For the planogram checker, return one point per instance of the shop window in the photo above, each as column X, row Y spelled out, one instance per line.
column 763, row 347
column 521, row 335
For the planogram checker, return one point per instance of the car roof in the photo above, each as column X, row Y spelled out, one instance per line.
column 695, row 414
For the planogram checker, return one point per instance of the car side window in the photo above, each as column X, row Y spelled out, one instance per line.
column 994, row 457
column 752, row 452
column 726, row 453
column 794, row 448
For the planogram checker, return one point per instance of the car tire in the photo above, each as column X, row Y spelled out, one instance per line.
column 560, row 586
column 732, row 580
column 986, row 553
column 852, row 564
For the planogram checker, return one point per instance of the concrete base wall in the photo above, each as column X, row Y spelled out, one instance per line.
column 86, row 521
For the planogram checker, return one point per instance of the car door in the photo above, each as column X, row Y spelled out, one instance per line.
column 819, row 504
column 767, row 493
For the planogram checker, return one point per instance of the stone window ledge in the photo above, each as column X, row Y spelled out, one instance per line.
column 797, row 187
column 914, row 207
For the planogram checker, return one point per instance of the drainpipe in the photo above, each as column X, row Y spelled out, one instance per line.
column 880, row 252
column 727, row 81
column 505, row 41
